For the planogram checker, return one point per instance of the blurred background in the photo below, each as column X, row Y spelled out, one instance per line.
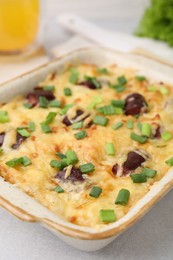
column 117, row 15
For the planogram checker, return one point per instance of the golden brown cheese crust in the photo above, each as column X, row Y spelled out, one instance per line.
column 75, row 204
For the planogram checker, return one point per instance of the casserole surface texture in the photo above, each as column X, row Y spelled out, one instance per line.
column 81, row 136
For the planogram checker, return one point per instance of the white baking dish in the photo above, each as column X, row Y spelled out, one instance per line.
column 27, row 209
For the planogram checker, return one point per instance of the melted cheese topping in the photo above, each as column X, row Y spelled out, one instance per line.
column 37, row 179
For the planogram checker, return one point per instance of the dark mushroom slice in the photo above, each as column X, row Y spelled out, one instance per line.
column 33, row 97
column 19, row 139
column 69, row 122
column 2, row 136
column 135, row 104
column 75, row 175
column 91, row 83
column 133, row 161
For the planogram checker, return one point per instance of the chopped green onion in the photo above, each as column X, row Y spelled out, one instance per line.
column 88, row 167
column 129, row 124
column 31, row 126
column 107, row 215
column 146, row 129
column 45, row 128
column 138, row 178
column 152, row 88
column 64, row 110
column 71, row 157
column 118, row 103
column 96, row 100
column 55, row 103
column 43, row 102
column 67, row 92
column 137, row 116
column 23, row 132
column 50, row 117
column 122, row 80
column 119, row 88
column 26, row 161
column 49, row 88
column 166, row 136
column 80, row 135
column 110, row 149
column 14, row 162
column 77, row 125
column 164, row 90
column 58, row 164
column 139, row 126
column 100, row 120
column 27, row 105
column 61, row 155
column 149, row 172
column 4, row 118
column 123, row 197
column 103, row 71
column 107, row 110
column 117, row 125
column 169, row 162
column 94, row 81
column 140, row 78
column 95, row 192
column 118, row 111
column 58, row 189
column 138, row 138
column 1, row 150
column 74, row 74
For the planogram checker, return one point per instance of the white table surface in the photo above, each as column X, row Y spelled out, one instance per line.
column 152, row 237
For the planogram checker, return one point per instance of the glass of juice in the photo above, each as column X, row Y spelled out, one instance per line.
column 19, row 25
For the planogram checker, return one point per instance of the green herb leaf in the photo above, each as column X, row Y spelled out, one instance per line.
column 86, row 168
column 31, row 126
column 122, row 80
column 149, row 172
column 129, row 124
column 169, row 162
column 77, row 125
column 140, row 78
column 117, row 125
column 95, row 192
column 118, row 103
column 58, row 189
column 71, row 157
column 166, row 136
column 45, row 128
column 43, row 102
column 23, row 132
column 4, row 118
column 74, row 74
column 80, row 135
column 100, row 120
column 107, row 215
column 27, row 105
column 138, row 178
column 123, row 197
column 26, row 161
column 55, row 103
column 67, row 92
column 103, row 71
column 110, row 149
column 49, row 88
column 50, row 117
column 138, row 138
column 61, row 155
